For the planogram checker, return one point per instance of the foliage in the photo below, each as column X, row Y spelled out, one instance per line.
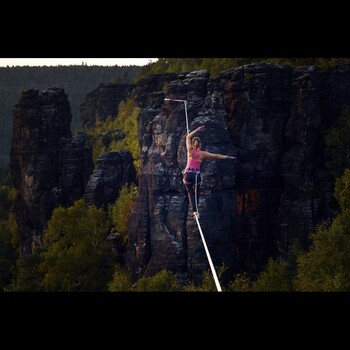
column 207, row 284
column 276, row 278
column 8, row 236
column 126, row 122
column 29, row 273
column 120, row 211
column 98, row 149
column 121, row 280
column 77, row 256
column 163, row 281
column 326, row 266
column 240, row 283
column 342, row 190
column 338, row 144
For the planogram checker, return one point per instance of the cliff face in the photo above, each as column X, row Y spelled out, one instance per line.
column 162, row 231
column 273, row 118
column 258, row 100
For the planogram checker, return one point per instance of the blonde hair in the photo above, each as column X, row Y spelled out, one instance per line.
column 196, row 142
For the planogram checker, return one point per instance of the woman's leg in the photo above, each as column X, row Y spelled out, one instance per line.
column 196, row 189
column 188, row 181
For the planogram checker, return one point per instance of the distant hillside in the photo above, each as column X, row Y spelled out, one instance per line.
column 77, row 81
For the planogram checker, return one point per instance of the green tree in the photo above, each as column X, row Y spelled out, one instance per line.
column 207, row 284
column 240, row 283
column 77, row 257
column 163, row 281
column 121, row 280
column 120, row 211
column 127, row 122
column 326, row 266
column 29, row 273
column 276, row 278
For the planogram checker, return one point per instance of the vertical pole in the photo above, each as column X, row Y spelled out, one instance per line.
column 188, row 131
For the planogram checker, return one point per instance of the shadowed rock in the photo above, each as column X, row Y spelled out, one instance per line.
column 113, row 170
column 48, row 166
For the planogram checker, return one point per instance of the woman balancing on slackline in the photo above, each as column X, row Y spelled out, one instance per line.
column 191, row 177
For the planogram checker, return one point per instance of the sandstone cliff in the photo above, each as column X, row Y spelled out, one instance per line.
column 274, row 119
column 48, row 166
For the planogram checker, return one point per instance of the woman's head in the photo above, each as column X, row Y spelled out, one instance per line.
column 196, row 142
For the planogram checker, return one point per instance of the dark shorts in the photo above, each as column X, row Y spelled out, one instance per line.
column 190, row 181
column 190, row 178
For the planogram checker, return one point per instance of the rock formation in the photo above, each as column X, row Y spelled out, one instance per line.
column 48, row 166
column 113, row 170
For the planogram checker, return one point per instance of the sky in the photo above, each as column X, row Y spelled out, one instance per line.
column 75, row 61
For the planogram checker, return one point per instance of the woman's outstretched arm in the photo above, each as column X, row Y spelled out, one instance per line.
column 205, row 154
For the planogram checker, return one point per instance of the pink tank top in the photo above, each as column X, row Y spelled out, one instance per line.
column 193, row 164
